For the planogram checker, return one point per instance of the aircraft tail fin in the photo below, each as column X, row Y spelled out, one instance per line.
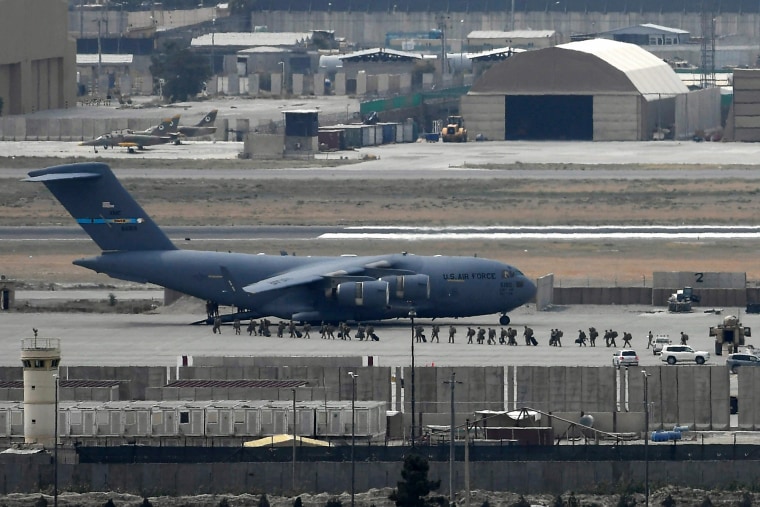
column 167, row 126
column 208, row 120
column 102, row 207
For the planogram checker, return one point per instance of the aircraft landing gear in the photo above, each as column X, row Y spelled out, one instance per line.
column 504, row 320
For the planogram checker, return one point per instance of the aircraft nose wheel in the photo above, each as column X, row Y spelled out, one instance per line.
column 504, row 320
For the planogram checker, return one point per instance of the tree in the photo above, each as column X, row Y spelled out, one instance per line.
column 414, row 486
column 242, row 7
column 263, row 501
column 182, row 70
column 298, row 502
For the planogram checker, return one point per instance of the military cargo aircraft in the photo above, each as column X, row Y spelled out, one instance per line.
column 205, row 127
column 164, row 133
column 313, row 289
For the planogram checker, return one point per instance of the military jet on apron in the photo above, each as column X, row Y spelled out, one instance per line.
column 301, row 288
column 163, row 133
column 205, row 127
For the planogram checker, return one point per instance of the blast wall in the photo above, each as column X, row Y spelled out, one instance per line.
column 24, row 474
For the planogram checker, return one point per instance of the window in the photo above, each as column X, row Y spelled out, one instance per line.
column 184, row 417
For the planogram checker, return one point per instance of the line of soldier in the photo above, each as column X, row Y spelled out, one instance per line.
column 481, row 336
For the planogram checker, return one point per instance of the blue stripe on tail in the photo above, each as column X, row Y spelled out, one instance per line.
column 102, row 207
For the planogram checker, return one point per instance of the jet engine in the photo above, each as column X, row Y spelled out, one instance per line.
column 368, row 294
column 408, row 287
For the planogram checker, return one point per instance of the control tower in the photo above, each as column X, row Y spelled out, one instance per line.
column 40, row 358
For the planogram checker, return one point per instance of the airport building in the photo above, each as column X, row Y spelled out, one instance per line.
column 598, row 89
column 36, row 72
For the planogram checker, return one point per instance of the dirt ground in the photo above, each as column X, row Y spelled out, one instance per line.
column 586, row 201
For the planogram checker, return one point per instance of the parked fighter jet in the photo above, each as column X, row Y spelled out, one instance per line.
column 205, row 127
column 313, row 289
column 162, row 129
column 130, row 139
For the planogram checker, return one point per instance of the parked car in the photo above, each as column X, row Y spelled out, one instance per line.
column 625, row 357
column 734, row 361
column 659, row 342
column 673, row 354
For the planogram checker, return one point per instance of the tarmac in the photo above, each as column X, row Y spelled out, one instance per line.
column 161, row 338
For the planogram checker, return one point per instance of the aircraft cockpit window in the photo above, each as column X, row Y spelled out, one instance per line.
column 509, row 273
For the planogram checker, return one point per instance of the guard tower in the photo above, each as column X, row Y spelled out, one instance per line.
column 40, row 358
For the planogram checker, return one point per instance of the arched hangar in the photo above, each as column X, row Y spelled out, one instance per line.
column 598, row 89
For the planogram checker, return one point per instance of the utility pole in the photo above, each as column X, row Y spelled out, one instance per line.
column 452, row 384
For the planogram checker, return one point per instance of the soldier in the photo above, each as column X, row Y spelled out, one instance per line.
column 371, row 333
column 470, row 334
column 481, row 335
column 291, row 329
column 613, row 335
column 360, row 331
column 236, row 325
column 419, row 334
column 650, row 337
column 452, row 332
column 217, row 325
column 280, row 329
column 581, row 340
column 558, row 334
column 627, row 339
column 503, row 336
column 607, row 337
column 592, row 334
column 512, row 334
column 251, row 327
column 306, row 329
column 684, row 338
column 528, row 334
column 330, row 331
column 434, row 333
column 491, row 336
column 323, row 330
column 552, row 337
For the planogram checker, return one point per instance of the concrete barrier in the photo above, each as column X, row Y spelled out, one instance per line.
column 31, row 474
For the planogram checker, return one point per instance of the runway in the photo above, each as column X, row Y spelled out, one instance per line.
column 411, row 233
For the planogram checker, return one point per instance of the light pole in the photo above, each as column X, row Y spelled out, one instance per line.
column 354, row 376
column 55, row 444
column 646, row 435
column 412, row 315
column 453, row 384
column 213, row 45
column 293, row 390
column 282, row 78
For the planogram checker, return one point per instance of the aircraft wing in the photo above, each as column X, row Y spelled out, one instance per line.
column 330, row 268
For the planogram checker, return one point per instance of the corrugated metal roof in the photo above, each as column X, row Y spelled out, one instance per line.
column 486, row 55
column 514, row 34
column 238, row 383
column 648, row 73
column 648, row 29
column 263, row 49
column 19, row 384
column 380, row 54
column 106, row 59
column 251, row 39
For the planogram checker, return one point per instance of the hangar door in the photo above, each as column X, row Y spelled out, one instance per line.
column 549, row 117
